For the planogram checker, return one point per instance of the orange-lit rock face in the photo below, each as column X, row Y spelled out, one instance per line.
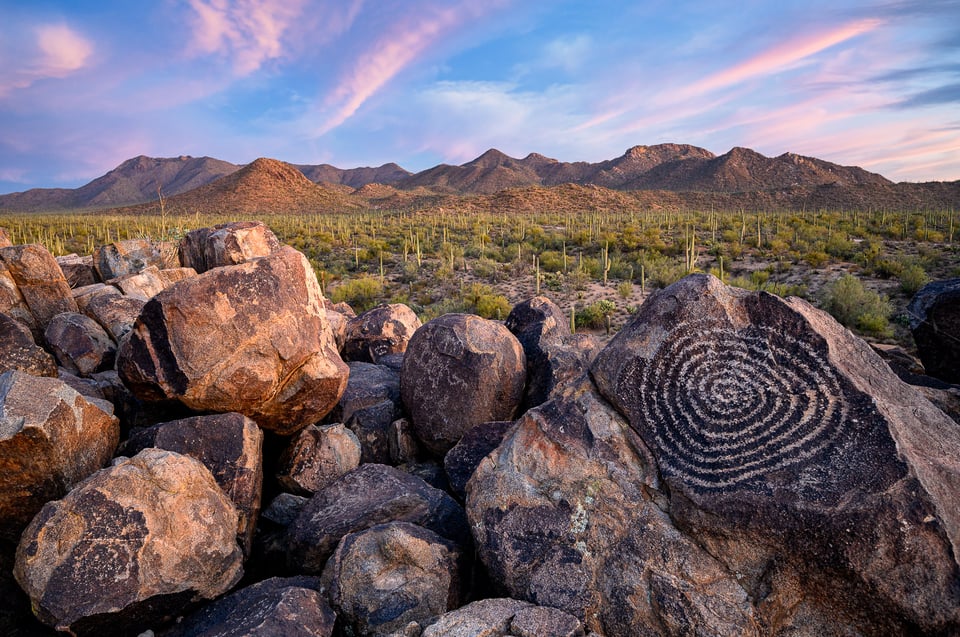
column 251, row 338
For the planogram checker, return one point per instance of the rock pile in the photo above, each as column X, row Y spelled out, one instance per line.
column 731, row 463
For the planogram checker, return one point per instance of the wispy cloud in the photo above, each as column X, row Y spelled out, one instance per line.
column 781, row 57
column 58, row 51
column 249, row 32
column 389, row 54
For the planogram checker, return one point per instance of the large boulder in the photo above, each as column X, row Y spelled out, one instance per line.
column 795, row 456
column 126, row 257
column 40, row 280
column 143, row 285
column 51, row 438
column 935, row 323
column 316, row 457
column 383, row 330
column 229, row 445
column 276, row 607
column 460, row 370
column 384, row 577
column 369, row 495
column 18, row 350
column 250, row 338
column 83, row 295
column 5, row 238
column 226, row 244
column 80, row 344
column 504, row 617
column 130, row 547
column 567, row 513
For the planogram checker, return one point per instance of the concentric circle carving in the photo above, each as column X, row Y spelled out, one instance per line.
column 727, row 407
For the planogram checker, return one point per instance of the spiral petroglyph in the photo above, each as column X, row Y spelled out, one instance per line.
column 735, row 405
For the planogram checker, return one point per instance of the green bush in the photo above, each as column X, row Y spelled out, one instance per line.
column 858, row 307
column 361, row 293
column 595, row 315
column 912, row 278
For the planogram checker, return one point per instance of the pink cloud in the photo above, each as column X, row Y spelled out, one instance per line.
column 780, row 57
column 60, row 51
column 389, row 54
column 250, row 32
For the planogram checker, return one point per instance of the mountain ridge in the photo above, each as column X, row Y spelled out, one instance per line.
column 666, row 168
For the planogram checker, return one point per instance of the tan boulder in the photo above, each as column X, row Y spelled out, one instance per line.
column 143, row 285
column 229, row 445
column 13, row 304
column 316, row 457
column 83, row 295
column 5, row 238
column 51, row 438
column 226, row 244
column 250, row 338
column 382, row 578
column 131, row 547
column 40, row 281
column 504, row 617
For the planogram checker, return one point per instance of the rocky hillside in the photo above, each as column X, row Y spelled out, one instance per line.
column 214, row 448
column 264, row 186
column 662, row 175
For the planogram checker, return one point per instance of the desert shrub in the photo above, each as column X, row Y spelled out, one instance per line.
column 595, row 315
column 912, row 278
column 625, row 289
column 816, row 258
column 481, row 300
column 361, row 293
column 857, row 307
column 488, row 269
column 888, row 268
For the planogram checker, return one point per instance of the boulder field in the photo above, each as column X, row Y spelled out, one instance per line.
column 207, row 446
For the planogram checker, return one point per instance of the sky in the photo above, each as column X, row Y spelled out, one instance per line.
column 86, row 85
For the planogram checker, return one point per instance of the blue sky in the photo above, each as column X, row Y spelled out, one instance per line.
column 86, row 85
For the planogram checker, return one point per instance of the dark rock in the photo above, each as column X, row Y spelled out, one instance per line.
column 460, row 370
column 226, row 244
column 369, row 495
column 403, row 442
column 370, row 403
column 382, row 578
column 78, row 271
column 430, row 471
column 51, row 438
column 316, row 457
column 386, row 329
column 229, row 445
column 277, row 607
column 462, row 460
column 83, row 295
column 285, row 508
column 935, row 322
column 250, row 338
column 80, row 344
column 19, row 351
column 537, row 321
column 130, row 547
column 39, row 280
column 796, row 457
column 115, row 313
column 566, row 513
column 126, row 257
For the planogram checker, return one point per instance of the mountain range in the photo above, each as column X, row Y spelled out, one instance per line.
column 664, row 174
